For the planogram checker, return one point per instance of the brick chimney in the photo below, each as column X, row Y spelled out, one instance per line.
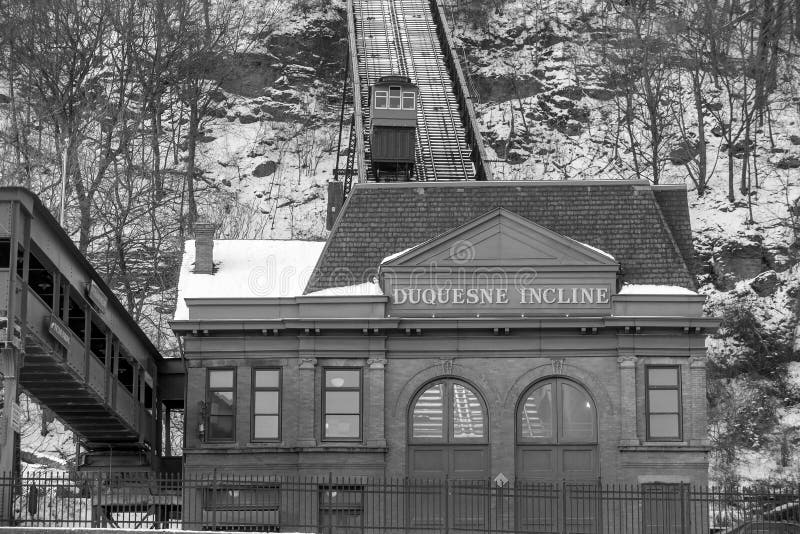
column 204, row 248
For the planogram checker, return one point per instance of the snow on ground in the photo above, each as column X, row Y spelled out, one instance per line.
column 248, row 269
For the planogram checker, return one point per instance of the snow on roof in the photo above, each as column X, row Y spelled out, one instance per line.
column 390, row 257
column 603, row 252
column 358, row 290
column 248, row 268
column 651, row 289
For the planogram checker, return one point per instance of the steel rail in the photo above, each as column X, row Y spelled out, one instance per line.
column 422, row 123
column 444, row 86
column 474, row 138
column 357, row 123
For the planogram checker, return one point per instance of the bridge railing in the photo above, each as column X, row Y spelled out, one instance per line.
column 466, row 109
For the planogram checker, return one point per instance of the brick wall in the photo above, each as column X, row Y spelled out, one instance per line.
column 499, row 368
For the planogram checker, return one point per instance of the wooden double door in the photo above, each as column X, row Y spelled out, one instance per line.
column 557, row 466
column 557, row 489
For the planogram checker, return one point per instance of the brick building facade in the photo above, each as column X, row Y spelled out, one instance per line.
column 541, row 331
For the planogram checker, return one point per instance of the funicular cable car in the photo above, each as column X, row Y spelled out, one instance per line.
column 393, row 127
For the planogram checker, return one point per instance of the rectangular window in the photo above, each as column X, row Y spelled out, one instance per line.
column 242, row 508
column 125, row 372
column 341, row 508
column 97, row 340
column 266, row 404
column 663, row 385
column 664, row 508
column 41, row 280
column 408, row 100
column 5, row 253
column 394, row 98
column 380, row 99
column 221, row 404
column 341, row 397
column 236, row 497
column 77, row 316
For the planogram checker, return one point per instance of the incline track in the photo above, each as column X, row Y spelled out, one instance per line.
column 400, row 37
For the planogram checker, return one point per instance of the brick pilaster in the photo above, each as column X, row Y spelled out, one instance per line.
column 376, row 369
column 628, row 401
column 699, row 408
column 307, row 405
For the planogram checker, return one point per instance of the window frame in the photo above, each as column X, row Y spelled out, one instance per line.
column 449, row 421
column 399, row 97
column 385, row 96
column 35, row 254
column 324, row 409
column 407, row 94
column 253, row 389
column 209, row 415
column 327, row 508
column 647, row 410
column 557, row 412
column 271, row 491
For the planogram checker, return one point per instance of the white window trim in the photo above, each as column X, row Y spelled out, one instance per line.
column 385, row 95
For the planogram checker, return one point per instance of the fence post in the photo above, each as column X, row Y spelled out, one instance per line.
column 447, row 503
column 96, row 505
column 564, row 507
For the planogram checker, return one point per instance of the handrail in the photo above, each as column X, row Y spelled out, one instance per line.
column 474, row 138
column 358, row 123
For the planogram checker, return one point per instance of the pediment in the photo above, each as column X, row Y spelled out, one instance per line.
column 502, row 238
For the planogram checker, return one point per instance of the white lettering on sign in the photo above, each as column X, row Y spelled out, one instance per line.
column 59, row 331
column 543, row 295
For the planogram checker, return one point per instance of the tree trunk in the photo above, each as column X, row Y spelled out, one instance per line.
column 731, row 187
column 702, row 156
column 155, row 137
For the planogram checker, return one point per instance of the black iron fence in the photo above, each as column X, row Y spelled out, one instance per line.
column 365, row 505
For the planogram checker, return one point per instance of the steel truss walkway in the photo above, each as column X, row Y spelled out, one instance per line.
column 68, row 342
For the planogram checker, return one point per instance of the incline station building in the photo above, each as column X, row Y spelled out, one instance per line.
column 542, row 331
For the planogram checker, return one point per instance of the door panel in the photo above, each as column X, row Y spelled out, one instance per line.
column 427, row 462
column 469, row 462
column 579, row 463
column 537, row 464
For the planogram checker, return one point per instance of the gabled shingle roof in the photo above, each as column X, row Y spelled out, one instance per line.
column 623, row 218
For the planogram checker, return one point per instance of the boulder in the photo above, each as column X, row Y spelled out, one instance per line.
column 683, row 152
column 789, row 162
column 248, row 119
column 795, row 139
column 740, row 258
column 219, row 112
column 778, row 257
column 765, row 283
column 265, row 169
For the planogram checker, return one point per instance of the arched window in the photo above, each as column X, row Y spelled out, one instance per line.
column 448, row 411
column 557, row 411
